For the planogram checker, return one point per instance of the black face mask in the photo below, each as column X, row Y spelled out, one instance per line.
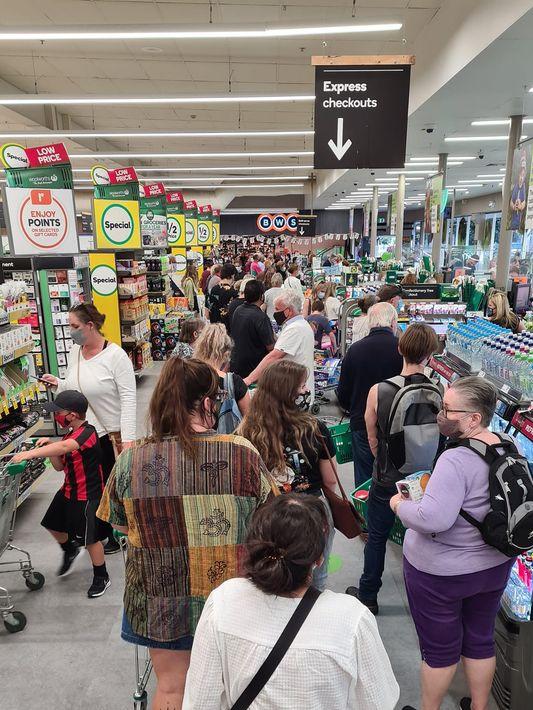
column 490, row 312
column 303, row 401
column 280, row 317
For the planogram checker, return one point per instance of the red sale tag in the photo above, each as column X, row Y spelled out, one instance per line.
column 216, row 213
column 156, row 189
column 122, row 175
column 54, row 154
column 191, row 205
column 173, row 197
column 204, row 209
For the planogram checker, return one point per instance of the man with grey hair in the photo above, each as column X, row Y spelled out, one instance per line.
column 296, row 340
column 367, row 362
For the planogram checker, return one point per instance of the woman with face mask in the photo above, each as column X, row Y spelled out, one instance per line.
column 454, row 580
column 183, row 496
column 293, row 444
column 102, row 371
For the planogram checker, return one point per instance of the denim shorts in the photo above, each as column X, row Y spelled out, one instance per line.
column 129, row 635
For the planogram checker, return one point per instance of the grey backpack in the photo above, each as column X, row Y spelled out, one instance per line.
column 411, row 436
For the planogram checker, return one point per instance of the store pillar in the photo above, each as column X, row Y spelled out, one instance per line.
column 374, row 222
column 437, row 238
column 504, row 249
column 399, row 219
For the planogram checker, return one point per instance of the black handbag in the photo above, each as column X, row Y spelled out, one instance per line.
column 279, row 650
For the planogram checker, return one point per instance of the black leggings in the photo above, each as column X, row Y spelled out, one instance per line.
column 108, row 461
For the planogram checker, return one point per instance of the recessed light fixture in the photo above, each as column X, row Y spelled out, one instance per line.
column 465, row 139
column 263, row 33
column 157, row 156
column 156, row 134
column 47, row 100
column 151, row 50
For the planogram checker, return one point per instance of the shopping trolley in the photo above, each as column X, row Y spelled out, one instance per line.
column 143, row 666
column 10, row 474
column 326, row 376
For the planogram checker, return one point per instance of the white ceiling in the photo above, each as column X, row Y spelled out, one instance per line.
column 207, row 67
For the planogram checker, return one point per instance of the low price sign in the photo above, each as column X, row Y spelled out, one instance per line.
column 361, row 114
column 14, row 155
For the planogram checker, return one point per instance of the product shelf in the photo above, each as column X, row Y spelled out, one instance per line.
column 132, row 296
column 15, row 354
column 138, row 320
column 13, row 445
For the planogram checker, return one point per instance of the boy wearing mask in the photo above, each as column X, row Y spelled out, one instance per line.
column 71, row 517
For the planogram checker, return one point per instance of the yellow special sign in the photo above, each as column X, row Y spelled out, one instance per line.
column 117, row 224
column 175, row 229
column 104, row 292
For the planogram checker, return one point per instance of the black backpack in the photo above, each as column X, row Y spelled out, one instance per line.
column 508, row 526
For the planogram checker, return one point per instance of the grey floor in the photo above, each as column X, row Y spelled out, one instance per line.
column 70, row 656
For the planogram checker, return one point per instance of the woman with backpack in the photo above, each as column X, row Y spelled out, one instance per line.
column 454, row 579
column 214, row 347
column 296, row 447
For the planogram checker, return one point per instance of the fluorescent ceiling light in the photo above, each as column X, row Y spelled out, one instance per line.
column 47, row 100
column 212, row 169
column 450, row 157
column 263, row 33
column 498, row 176
column 464, row 139
column 471, row 182
column 432, row 163
column 223, row 187
column 156, row 134
column 410, row 172
column 146, row 156
column 161, row 178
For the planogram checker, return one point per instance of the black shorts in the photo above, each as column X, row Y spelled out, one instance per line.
column 75, row 517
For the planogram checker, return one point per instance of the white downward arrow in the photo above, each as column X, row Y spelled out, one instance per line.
column 302, row 231
column 339, row 148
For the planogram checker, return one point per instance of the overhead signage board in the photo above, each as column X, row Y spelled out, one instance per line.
column 117, row 224
column 175, row 220
column 41, row 221
column 14, row 155
column 421, row 291
column 191, row 223
column 215, row 227
column 432, row 210
column 153, row 211
column 360, row 113
column 306, row 225
column 279, row 223
column 205, row 226
column 156, row 189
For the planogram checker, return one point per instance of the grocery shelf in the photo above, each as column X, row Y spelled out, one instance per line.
column 18, row 313
column 132, row 296
column 135, row 322
column 157, row 273
column 166, row 294
column 29, row 489
column 135, row 341
column 19, row 352
column 22, row 438
column 133, row 273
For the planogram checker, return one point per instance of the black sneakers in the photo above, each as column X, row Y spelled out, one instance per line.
column 111, row 546
column 69, row 558
column 370, row 605
column 98, row 587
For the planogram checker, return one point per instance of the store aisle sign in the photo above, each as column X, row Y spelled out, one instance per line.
column 174, row 198
column 175, row 228
column 156, row 189
column 215, row 227
column 205, row 225
column 432, row 212
column 279, row 223
column 191, row 223
column 306, row 225
column 153, row 212
column 14, row 155
column 361, row 113
column 41, row 221
column 104, row 293
column 117, row 224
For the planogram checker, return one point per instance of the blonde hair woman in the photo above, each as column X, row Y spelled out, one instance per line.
column 214, row 347
column 499, row 312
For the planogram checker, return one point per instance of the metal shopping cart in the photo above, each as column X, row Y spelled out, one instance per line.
column 326, row 375
column 10, row 474
column 143, row 665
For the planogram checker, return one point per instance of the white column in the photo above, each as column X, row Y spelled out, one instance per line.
column 374, row 222
column 399, row 220
column 437, row 238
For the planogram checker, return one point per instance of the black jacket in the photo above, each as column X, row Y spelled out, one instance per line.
column 367, row 362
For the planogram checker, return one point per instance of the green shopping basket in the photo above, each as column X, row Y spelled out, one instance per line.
column 342, row 438
column 397, row 533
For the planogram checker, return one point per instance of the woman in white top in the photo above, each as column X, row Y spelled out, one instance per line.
column 292, row 281
column 332, row 305
column 337, row 660
column 360, row 328
column 103, row 372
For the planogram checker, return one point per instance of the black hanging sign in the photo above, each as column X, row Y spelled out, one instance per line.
column 361, row 115
column 306, row 225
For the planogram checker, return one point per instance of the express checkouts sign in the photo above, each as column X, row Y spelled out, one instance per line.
column 361, row 115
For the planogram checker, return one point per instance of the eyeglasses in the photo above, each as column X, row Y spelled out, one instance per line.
column 446, row 411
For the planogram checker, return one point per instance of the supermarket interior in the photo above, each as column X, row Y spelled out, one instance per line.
column 266, row 354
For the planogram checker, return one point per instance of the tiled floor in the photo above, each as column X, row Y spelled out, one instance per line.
column 71, row 657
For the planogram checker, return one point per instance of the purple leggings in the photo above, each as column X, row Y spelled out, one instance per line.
column 454, row 616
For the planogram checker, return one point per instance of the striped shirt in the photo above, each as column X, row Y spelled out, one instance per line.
column 84, row 478
column 186, row 521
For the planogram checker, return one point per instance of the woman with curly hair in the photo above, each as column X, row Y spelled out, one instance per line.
column 293, row 444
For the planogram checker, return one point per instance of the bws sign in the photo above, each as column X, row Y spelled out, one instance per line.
column 41, row 221
column 279, row 223
column 117, row 224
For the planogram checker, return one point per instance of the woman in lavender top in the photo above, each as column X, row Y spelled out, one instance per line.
column 454, row 580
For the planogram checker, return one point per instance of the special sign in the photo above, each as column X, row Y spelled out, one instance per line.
column 361, row 114
column 41, row 221
column 117, row 224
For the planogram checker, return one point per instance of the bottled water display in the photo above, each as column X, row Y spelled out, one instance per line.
column 495, row 350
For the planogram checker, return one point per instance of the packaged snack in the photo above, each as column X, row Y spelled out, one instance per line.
column 412, row 487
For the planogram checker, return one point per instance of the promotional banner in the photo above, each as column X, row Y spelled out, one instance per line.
column 153, row 212
column 393, row 213
column 432, row 212
column 156, row 189
column 353, row 109
column 191, row 223
column 119, row 184
column 117, row 224
column 104, row 291
column 175, row 220
column 521, row 198
column 305, row 244
column 278, row 223
column 215, row 217
column 366, row 218
column 205, row 226
column 14, row 155
column 40, row 221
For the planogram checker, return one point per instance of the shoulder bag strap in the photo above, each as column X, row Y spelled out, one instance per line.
column 332, row 463
column 279, row 650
